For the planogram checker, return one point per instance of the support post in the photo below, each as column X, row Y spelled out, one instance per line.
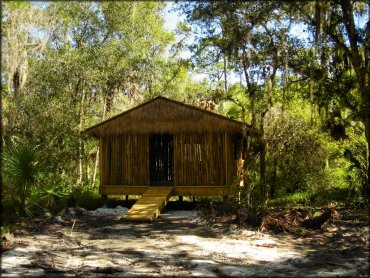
column 181, row 198
column 104, row 200
column 226, row 160
column 126, row 198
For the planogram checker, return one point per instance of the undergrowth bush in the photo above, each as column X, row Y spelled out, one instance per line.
column 84, row 197
column 214, row 206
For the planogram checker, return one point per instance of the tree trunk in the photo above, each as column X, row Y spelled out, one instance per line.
column 225, row 72
column 250, row 90
column 80, row 141
column 79, row 174
column 244, row 190
column 360, row 63
column 263, row 172
column 87, row 166
column 366, row 188
column 240, row 169
column 96, row 163
column 286, row 82
column 23, row 201
column 273, row 180
column 263, row 162
column 310, row 85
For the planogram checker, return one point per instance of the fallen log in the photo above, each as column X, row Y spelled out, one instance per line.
column 245, row 215
column 318, row 221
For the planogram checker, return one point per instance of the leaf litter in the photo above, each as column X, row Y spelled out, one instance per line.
column 183, row 243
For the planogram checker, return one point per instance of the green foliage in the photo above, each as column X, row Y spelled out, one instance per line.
column 91, row 61
column 70, row 65
column 22, row 167
column 355, row 153
column 84, row 197
column 296, row 153
column 7, row 230
column 51, row 199
column 298, row 198
column 319, row 78
column 327, row 197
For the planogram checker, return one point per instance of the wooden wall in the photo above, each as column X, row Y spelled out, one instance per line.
column 125, row 160
column 199, row 160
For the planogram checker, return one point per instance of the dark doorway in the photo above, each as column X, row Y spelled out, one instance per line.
column 161, row 159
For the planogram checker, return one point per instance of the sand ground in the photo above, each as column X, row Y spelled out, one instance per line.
column 179, row 243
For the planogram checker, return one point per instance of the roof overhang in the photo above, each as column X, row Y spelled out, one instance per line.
column 163, row 115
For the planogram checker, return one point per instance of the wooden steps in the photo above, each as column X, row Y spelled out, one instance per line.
column 149, row 205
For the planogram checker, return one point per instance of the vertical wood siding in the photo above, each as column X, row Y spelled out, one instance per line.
column 199, row 159
column 125, row 160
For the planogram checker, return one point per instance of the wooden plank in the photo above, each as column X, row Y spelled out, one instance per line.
column 201, row 190
column 194, row 190
column 146, row 158
column 119, row 160
column 104, row 160
column 136, row 165
column 129, row 172
column 101, row 175
column 226, row 160
column 114, row 159
column 123, row 159
column 149, row 206
column 175, row 159
column 107, row 160
column 122, row 189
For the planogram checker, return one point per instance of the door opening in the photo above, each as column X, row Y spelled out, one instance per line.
column 161, row 159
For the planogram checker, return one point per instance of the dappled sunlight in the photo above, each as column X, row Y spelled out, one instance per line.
column 248, row 250
column 179, row 243
column 18, row 256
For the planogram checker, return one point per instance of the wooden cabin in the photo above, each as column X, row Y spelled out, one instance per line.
column 163, row 142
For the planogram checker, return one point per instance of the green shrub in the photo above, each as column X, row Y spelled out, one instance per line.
column 297, row 198
column 7, row 229
column 50, row 199
column 21, row 168
column 296, row 153
column 84, row 197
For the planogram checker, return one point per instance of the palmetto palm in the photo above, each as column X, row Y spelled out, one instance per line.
column 21, row 166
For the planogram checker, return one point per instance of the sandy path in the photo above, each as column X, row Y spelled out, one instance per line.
column 180, row 243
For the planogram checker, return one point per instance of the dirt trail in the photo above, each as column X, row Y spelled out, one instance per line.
column 180, row 243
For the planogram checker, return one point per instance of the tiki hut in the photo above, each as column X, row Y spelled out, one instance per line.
column 163, row 142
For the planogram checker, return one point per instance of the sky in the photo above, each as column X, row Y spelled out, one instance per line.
column 172, row 18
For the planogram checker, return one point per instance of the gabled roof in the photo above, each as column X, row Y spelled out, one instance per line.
column 163, row 115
